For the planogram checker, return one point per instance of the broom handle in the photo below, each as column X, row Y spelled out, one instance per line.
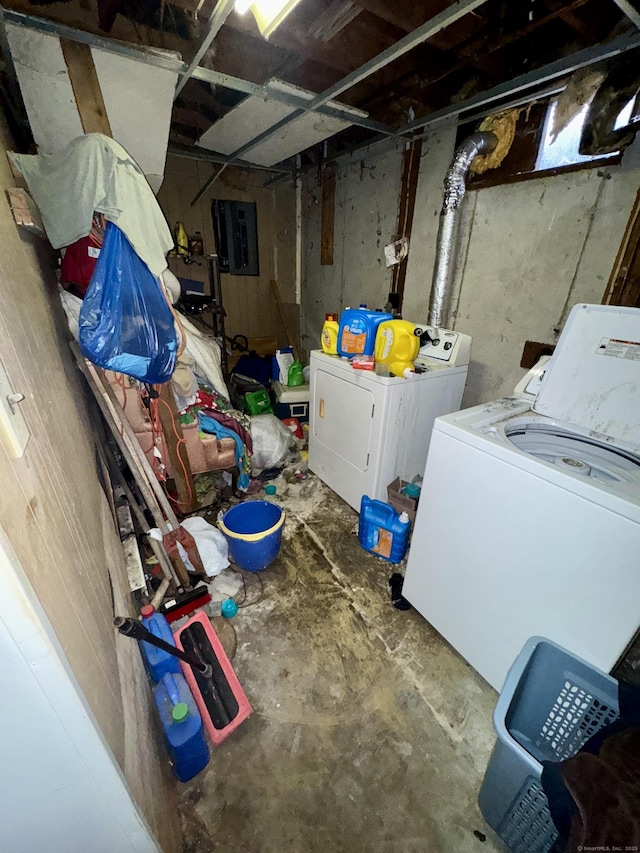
column 133, row 628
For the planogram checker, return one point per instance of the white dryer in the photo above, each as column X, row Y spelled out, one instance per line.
column 367, row 429
column 529, row 520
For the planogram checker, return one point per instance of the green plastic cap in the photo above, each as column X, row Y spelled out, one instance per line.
column 180, row 712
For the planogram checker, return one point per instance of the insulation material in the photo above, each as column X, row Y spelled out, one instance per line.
column 138, row 99
column 255, row 115
column 45, row 87
column 503, row 125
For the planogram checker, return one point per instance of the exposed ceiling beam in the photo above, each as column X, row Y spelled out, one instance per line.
column 544, row 81
column 453, row 13
column 165, row 59
column 468, row 55
column 533, row 79
column 450, row 15
column 191, row 152
column 149, row 55
column 350, row 114
column 220, row 14
column 334, row 19
column 627, row 7
column 407, row 17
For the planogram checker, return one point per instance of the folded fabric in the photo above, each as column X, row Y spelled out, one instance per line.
column 231, row 423
column 209, row 424
column 95, row 173
column 225, row 414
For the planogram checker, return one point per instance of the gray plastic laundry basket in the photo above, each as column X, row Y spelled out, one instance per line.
column 552, row 702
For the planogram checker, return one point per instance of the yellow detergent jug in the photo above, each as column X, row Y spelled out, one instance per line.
column 397, row 346
column 329, row 338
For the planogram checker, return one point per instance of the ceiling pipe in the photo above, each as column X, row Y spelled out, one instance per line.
column 430, row 28
column 455, row 185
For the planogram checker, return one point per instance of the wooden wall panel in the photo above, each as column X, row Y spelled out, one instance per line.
column 247, row 299
column 57, row 517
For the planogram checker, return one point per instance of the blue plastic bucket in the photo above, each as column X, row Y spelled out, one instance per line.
column 254, row 532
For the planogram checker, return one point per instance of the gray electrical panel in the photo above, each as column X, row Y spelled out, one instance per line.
column 235, row 224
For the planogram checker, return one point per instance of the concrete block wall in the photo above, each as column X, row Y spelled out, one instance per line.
column 528, row 251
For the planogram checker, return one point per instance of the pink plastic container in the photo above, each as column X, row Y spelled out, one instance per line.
column 217, row 732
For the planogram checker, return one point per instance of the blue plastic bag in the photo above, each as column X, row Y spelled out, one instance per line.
column 125, row 322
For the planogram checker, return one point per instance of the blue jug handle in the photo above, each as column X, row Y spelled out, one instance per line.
column 155, row 630
column 172, row 688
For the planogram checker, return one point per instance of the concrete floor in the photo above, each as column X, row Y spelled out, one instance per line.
column 369, row 733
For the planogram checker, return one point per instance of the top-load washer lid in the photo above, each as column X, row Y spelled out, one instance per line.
column 593, row 379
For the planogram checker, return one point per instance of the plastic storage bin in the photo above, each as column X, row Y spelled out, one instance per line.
column 158, row 661
column 291, row 402
column 552, row 702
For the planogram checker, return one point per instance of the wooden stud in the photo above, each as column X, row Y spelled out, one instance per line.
column 406, row 209
column 328, row 214
column 624, row 283
column 275, row 290
column 176, row 448
column 86, row 87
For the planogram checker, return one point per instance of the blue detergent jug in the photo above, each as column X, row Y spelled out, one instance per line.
column 382, row 531
column 182, row 726
column 157, row 661
column 357, row 331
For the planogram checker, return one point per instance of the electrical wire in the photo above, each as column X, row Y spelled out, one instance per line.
column 120, row 382
column 243, row 602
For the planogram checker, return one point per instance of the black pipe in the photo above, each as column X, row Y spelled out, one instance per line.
column 136, row 630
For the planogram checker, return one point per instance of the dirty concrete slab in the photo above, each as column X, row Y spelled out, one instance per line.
column 369, row 733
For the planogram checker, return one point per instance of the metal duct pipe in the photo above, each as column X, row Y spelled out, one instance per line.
column 455, row 185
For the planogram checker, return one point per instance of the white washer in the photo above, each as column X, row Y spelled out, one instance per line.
column 366, row 429
column 529, row 517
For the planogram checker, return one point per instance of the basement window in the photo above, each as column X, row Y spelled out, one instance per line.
column 536, row 152
column 564, row 148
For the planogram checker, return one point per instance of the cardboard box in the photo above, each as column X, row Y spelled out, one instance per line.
column 399, row 501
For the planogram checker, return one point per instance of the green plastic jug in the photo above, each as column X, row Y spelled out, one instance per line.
column 295, row 376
